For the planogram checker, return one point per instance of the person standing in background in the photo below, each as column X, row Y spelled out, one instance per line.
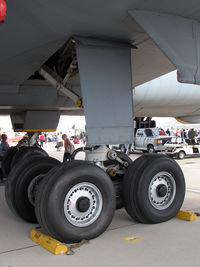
column 69, row 148
column 41, row 139
column 168, row 132
column 59, row 142
column 4, row 146
column 191, row 136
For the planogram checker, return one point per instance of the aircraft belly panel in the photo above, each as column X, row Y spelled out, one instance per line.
column 33, row 31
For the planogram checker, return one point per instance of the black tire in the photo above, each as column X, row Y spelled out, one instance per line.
column 64, row 227
column 42, row 187
column 118, row 192
column 181, row 155
column 38, row 198
column 25, row 152
column 24, row 208
column 161, row 190
column 130, row 185
column 7, row 159
column 150, row 149
column 13, row 177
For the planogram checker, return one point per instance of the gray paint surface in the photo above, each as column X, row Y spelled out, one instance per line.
column 178, row 37
column 106, row 90
column 34, row 30
column 166, row 97
column 37, row 120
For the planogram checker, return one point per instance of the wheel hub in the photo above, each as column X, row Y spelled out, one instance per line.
column 83, row 204
column 162, row 190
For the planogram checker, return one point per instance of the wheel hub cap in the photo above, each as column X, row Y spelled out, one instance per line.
column 83, row 204
column 162, row 190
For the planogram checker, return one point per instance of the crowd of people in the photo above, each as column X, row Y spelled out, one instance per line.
column 61, row 140
column 192, row 134
column 56, row 138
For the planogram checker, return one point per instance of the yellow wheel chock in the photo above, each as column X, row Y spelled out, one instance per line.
column 47, row 242
column 186, row 215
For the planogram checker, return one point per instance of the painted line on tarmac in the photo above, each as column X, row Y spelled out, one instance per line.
column 193, row 190
column 131, row 238
column 18, row 249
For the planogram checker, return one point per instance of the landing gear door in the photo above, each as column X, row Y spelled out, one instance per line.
column 105, row 75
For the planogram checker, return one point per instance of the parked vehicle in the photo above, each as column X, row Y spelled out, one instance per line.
column 180, row 148
column 151, row 139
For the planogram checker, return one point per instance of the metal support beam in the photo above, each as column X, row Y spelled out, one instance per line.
column 60, row 85
column 73, row 66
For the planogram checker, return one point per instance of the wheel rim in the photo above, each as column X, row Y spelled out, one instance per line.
column 83, row 204
column 162, row 190
column 181, row 155
column 151, row 149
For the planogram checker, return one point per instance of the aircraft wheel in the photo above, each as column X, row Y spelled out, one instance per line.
column 117, row 182
column 42, row 187
column 26, row 187
column 160, row 190
column 39, row 195
column 181, row 155
column 19, row 179
column 129, row 187
column 131, row 182
column 25, row 152
column 7, row 159
column 144, row 151
column 78, row 202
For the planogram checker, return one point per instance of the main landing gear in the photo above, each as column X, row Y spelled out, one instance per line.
column 76, row 200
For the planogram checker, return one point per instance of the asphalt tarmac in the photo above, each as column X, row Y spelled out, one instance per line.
column 173, row 243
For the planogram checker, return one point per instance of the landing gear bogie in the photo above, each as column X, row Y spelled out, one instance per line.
column 76, row 200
